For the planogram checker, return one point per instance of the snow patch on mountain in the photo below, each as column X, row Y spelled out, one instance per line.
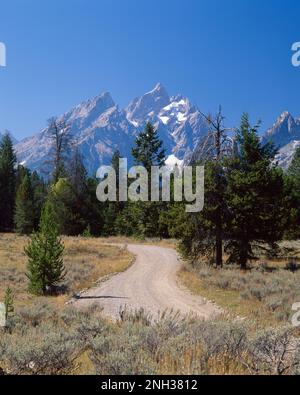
column 286, row 154
column 173, row 161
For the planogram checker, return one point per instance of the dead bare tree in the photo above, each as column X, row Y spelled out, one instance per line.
column 58, row 132
column 218, row 145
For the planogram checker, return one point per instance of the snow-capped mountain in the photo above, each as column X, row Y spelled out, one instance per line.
column 285, row 129
column 285, row 135
column 179, row 123
column 100, row 127
column 286, row 154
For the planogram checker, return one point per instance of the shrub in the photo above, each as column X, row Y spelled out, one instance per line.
column 292, row 266
column 48, row 354
column 272, row 352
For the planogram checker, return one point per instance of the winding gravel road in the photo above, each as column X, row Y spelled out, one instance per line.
column 151, row 283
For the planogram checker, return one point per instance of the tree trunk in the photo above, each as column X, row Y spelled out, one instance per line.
column 244, row 257
column 219, row 225
column 219, row 242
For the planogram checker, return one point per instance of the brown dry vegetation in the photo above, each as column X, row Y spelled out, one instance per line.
column 264, row 294
column 86, row 261
column 43, row 340
column 168, row 243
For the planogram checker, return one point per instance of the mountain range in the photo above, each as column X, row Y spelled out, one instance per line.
column 100, row 127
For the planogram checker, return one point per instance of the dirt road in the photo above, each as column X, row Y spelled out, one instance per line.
column 150, row 283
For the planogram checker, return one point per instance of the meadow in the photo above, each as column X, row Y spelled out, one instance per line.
column 46, row 335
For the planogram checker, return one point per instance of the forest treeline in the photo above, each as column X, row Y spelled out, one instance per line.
column 250, row 203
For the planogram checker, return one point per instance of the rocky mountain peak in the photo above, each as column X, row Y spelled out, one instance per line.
column 148, row 105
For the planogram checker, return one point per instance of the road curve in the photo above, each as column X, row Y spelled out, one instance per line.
column 151, row 283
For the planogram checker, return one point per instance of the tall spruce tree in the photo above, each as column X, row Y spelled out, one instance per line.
column 204, row 236
column 294, row 169
column 112, row 210
column 62, row 197
column 24, row 212
column 8, row 163
column 40, row 192
column 255, row 197
column 45, row 268
column 199, row 233
column 148, row 152
column 293, row 182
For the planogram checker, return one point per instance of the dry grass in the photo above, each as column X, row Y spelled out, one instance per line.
column 168, row 243
column 86, row 261
column 264, row 294
column 43, row 340
column 229, row 300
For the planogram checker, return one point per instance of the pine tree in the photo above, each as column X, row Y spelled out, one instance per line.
column 63, row 198
column 39, row 197
column 255, row 197
column 294, row 169
column 7, row 184
column 199, row 232
column 78, row 175
column 24, row 212
column 87, row 232
column 45, row 268
column 148, row 150
column 206, row 236
column 8, row 303
column 293, row 195
column 95, row 210
column 112, row 210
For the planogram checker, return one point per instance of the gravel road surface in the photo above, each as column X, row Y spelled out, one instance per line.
column 151, row 283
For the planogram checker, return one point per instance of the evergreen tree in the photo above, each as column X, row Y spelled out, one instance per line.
column 24, row 212
column 293, row 194
column 148, row 150
column 7, row 184
column 294, row 169
column 45, row 268
column 199, row 232
column 62, row 197
column 112, row 210
column 40, row 193
column 79, row 203
column 205, row 235
column 255, row 197
column 71, row 197
column 78, row 176
column 87, row 232
column 95, row 210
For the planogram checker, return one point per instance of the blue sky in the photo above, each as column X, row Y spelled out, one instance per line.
column 231, row 52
